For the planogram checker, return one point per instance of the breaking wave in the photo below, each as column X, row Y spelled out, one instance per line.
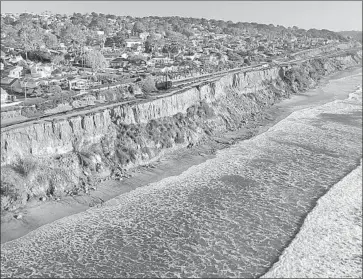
column 331, row 236
column 231, row 216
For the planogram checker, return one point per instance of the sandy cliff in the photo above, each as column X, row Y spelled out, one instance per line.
column 58, row 156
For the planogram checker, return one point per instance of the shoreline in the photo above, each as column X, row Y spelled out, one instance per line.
column 336, row 214
column 36, row 213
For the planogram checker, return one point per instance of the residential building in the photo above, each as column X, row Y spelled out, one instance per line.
column 40, row 71
column 30, row 84
column 15, row 59
column 133, row 41
column 15, row 72
column 143, row 36
column 77, row 84
column 118, row 63
column 11, row 84
column 161, row 60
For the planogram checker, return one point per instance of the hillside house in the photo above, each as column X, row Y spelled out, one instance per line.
column 118, row 63
column 30, row 84
column 11, row 84
column 15, row 59
column 190, row 56
column 15, row 72
column 40, row 71
column 161, row 60
column 138, row 62
column 143, row 36
column 133, row 41
column 77, row 84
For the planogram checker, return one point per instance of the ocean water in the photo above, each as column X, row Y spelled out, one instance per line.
column 329, row 244
column 231, row 216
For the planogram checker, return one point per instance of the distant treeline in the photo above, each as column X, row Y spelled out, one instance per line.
column 30, row 32
column 356, row 35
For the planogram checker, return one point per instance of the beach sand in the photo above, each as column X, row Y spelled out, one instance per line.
column 230, row 216
column 37, row 213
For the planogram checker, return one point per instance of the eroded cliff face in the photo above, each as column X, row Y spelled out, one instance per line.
column 75, row 149
column 57, row 137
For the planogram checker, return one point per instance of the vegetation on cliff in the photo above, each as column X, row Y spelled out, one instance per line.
column 128, row 145
column 30, row 178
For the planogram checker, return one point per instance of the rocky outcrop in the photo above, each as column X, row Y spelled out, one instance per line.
column 129, row 135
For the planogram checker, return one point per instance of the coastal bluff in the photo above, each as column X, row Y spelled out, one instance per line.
column 71, row 150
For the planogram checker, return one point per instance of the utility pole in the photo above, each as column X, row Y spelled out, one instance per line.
column 26, row 83
column 166, row 80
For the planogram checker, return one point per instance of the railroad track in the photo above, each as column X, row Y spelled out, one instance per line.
column 85, row 110
column 207, row 77
column 178, row 87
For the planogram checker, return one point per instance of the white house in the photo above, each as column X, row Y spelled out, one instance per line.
column 143, row 36
column 27, row 84
column 77, row 84
column 189, row 56
column 161, row 60
column 133, row 41
column 15, row 59
column 15, row 72
column 40, row 71
column 124, row 55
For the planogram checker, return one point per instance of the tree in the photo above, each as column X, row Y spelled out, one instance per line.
column 79, row 19
column 11, row 35
column 98, row 23
column 25, row 19
column 38, row 92
column 51, row 40
column 73, row 33
column 95, row 60
column 149, row 45
column 30, row 38
column 117, row 41
column 58, row 59
column 138, row 27
column 55, row 89
column 233, row 56
column 148, row 85
column 187, row 32
column 67, row 58
column 8, row 20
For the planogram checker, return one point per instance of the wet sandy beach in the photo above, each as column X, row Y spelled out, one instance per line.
column 230, row 216
column 36, row 213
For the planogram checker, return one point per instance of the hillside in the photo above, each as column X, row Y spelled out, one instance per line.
column 356, row 35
